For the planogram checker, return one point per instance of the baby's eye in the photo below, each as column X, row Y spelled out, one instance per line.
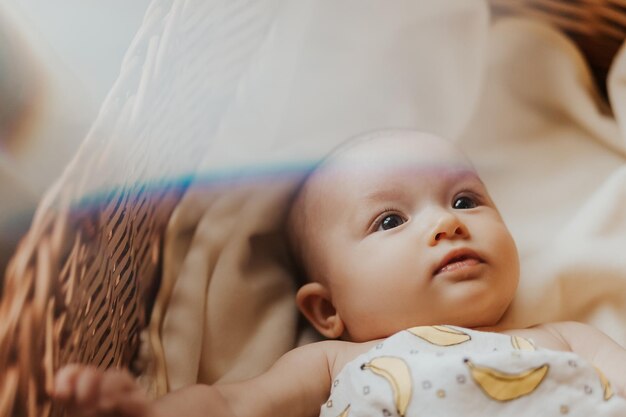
column 390, row 221
column 464, row 203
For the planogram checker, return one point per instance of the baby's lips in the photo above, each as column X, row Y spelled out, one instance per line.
column 457, row 255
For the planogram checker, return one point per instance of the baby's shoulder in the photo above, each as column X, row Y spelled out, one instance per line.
column 339, row 352
column 554, row 336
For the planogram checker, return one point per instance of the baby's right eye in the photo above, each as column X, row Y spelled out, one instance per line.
column 390, row 221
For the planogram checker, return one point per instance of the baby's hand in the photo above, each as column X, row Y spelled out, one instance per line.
column 87, row 391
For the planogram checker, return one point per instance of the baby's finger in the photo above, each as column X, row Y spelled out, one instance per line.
column 65, row 382
column 87, row 387
column 115, row 385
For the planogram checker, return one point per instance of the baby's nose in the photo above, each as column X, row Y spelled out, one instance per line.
column 448, row 226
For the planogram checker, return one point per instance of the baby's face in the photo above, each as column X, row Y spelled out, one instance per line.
column 405, row 234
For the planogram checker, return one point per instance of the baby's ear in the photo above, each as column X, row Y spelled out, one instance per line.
column 314, row 302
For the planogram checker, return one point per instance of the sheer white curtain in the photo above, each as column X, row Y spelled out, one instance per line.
column 276, row 84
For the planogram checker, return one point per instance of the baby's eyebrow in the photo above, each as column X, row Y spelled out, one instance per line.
column 460, row 175
column 450, row 177
column 386, row 194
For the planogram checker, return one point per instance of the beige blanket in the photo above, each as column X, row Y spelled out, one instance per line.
column 516, row 95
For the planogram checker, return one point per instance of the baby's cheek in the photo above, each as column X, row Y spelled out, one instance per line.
column 361, row 312
column 376, row 315
column 503, row 245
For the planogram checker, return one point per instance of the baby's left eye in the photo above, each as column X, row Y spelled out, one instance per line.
column 464, row 203
column 390, row 221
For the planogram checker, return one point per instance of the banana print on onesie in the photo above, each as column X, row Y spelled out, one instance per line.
column 452, row 371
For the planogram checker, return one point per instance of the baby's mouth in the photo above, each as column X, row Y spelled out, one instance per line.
column 457, row 260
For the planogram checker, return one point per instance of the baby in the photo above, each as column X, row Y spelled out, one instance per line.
column 400, row 245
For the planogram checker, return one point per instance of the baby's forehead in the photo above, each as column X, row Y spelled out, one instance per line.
column 359, row 178
column 397, row 155
column 372, row 159
column 353, row 183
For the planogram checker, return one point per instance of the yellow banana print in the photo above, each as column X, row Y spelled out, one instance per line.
column 440, row 335
column 397, row 373
column 606, row 385
column 345, row 412
column 504, row 386
column 521, row 343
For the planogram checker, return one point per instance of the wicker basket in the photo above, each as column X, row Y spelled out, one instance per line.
column 79, row 289
column 82, row 282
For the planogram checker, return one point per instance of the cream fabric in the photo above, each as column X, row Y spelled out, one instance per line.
column 554, row 161
column 319, row 73
column 517, row 96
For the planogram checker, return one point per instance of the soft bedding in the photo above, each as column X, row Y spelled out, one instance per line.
column 516, row 95
column 320, row 73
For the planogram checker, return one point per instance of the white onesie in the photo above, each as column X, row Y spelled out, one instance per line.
column 452, row 371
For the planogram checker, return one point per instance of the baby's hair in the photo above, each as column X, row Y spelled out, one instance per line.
column 292, row 236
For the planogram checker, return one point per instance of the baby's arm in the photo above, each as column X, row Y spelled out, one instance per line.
column 87, row 391
column 588, row 342
column 296, row 385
